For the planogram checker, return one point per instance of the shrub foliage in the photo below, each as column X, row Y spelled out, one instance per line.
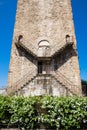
column 43, row 112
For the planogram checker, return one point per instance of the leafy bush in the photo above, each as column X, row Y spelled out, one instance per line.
column 65, row 113
column 43, row 112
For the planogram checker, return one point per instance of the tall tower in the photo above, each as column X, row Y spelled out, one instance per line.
column 44, row 57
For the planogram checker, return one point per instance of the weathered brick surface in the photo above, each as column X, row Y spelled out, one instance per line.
column 38, row 20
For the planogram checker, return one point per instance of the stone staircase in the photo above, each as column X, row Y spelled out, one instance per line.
column 55, row 49
column 45, row 84
column 22, row 82
column 31, row 50
column 29, row 77
column 58, row 48
column 65, row 82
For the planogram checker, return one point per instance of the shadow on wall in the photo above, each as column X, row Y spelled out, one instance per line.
column 61, row 59
column 30, row 57
column 84, row 87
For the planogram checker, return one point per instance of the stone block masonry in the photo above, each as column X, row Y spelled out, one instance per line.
column 43, row 26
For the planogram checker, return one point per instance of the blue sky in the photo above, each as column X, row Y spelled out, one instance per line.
column 7, row 19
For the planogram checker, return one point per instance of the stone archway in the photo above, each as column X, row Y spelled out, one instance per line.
column 44, row 48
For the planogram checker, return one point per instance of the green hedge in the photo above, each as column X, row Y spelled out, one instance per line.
column 43, row 112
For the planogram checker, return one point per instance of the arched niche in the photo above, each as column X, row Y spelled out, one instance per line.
column 43, row 48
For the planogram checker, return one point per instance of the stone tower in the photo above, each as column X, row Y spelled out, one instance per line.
column 44, row 57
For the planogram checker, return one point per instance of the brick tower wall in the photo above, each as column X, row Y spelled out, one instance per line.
column 38, row 20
